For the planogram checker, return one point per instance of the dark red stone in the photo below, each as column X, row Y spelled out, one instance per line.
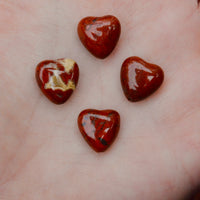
column 57, row 79
column 140, row 79
column 99, row 34
column 99, row 128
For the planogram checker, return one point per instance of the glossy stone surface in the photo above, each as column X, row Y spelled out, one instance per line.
column 57, row 79
column 140, row 79
column 99, row 34
column 99, row 128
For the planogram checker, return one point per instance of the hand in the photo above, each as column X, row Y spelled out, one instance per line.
column 43, row 155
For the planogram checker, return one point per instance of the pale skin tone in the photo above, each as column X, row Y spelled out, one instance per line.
column 156, row 155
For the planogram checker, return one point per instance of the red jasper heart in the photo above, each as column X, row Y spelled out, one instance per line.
column 140, row 79
column 57, row 79
column 99, row 34
column 99, row 128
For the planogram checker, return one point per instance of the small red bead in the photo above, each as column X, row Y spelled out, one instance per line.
column 99, row 128
column 99, row 34
column 57, row 79
column 140, row 79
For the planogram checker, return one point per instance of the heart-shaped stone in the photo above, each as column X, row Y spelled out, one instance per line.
column 140, row 79
column 99, row 34
column 57, row 79
column 99, row 128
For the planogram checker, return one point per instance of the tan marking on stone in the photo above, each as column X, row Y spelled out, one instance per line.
column 56, row 83
column 67, row 63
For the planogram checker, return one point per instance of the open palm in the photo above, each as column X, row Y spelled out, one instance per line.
column 43, row 155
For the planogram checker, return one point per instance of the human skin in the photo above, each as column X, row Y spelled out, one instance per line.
column 156, row 154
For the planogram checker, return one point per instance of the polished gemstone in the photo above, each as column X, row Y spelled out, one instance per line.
column 57, row 79
column 99, row 34
column 140, row 79
column 99, row 127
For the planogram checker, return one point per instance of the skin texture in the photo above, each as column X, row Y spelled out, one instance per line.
column 156, row 154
